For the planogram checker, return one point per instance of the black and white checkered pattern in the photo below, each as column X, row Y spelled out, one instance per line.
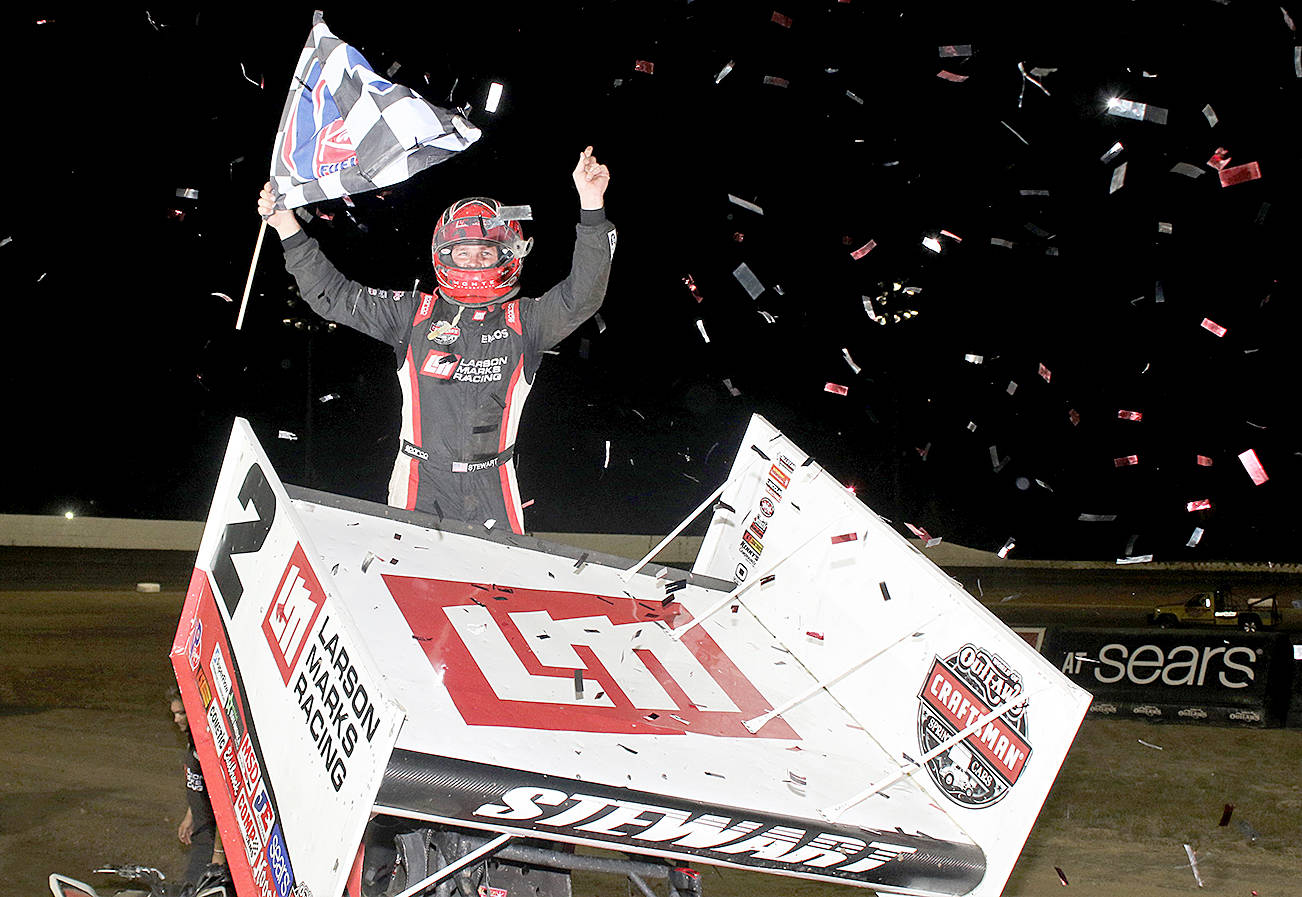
column 394, row 131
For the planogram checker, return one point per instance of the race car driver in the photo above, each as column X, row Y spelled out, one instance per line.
column 467, row 354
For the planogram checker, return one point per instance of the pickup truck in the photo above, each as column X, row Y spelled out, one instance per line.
column 1219, row 608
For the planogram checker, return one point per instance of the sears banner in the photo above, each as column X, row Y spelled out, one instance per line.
column 1183, row 675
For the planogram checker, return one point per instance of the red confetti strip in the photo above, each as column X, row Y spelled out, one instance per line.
column 776, row 81
column 817, row 635
column 1074, row 416
column 1127, row 461
column 951, row 77
column 1253, row 466
column 1239, row 174
column 1219, row 159
column 864, row 250
column 1202, row 504
column 784, row 21
column 836, row 388
column 1130, row 415
column 1212, row 327
column 691, row 287
column 1062, row 876
column 1225, row 814
column 1204, row 461
column 1044, row 372
column 845, row 537
column 919, row 532
column 643, row 65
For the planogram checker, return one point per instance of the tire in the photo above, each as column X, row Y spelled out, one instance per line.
column 1248, row 624
column 1167, row 621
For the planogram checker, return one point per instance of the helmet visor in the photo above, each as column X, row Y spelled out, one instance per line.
column 472, row 243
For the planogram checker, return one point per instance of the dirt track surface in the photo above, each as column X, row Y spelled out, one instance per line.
column 90, row 761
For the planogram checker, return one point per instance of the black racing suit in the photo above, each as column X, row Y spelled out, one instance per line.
column 204, row 835
column 463, row 386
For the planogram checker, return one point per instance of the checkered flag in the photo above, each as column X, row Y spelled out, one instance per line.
column 346, row 129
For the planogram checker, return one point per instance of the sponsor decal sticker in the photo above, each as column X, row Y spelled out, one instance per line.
column 787, row 463
column 780, row 475
column 440, row 364
column 282, row 875
column 748, row 553
column 249, row 764
column 221, row 678
column 217, row 727
column 754, row 543
column 444, row 333
column 195, row 648
column 293, row 612
column 759, row 525
column 967, row 685
column 205, row 691
column 741, row 572
column 766, row 506
column 512, row 663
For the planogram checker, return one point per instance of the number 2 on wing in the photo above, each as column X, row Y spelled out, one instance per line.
column 244, row 537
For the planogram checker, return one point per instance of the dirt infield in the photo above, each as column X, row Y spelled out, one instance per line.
column 90, row 773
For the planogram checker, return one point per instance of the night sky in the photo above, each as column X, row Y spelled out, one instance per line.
column 1094, row 290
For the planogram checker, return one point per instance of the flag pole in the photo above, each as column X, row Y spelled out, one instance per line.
column 248, row 284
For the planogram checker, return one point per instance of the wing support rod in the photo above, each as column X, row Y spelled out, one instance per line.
column 629, row 573
column 831, row 814
column 754, row 725
column 486, row 848
column 677, row 634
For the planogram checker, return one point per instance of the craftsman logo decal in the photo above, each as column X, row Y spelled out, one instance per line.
column 292, row 612
column 961, row 689
column 440, row 364
column 512, row 657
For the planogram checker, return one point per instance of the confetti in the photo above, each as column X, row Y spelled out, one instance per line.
column 1062, row 876
column 737, row 200
column 1130, row 415
column 776, row 81
column 187, row 193
column 1226, row 814
column 886, row 593
column 1212, row 327
column 1118, row 178
column 691, row 288
column 285, row 434
column 328, row 397
column 768, row 318
column 605, row 464
column 1008, row 547
column 1210, row 114
column 1202, row 504
column 1203, row 460
column 1011, row 388
column 1137, row 559
column 1219, row 159
column 1253, row 466
column 700, row 326
column 1074, row 416
column 1015, row 134
column 845, row 353
column 1189, row 171
column 218, row 295
column 643, row 65
column 1123, row 108
column 1239, row 174
column 1113, row 152
column 836, row 388
column 732, row 390
column 1195, row 537
column 817, row 635
column 1028, row 78
column 749, row 282
column 1126, row 461
column 953, row 51
column 854, row 96
column 974, row 359
column 845, row 537
column 723, row 72
column 1193, row 865
column 1045, row 373
column 1096, row 518
column 1148, row 745
column 995, row 461
column 863, row 250
column 971, row 426
column 7, row 240
column 1000, row 241
column 494, row 96
column 931, row 243
column 779, row 18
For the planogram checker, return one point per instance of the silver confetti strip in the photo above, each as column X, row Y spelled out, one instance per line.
column 749, row 282
column 737, row 200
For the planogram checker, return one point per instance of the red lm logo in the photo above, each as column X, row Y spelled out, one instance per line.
column 292, row 612
column 527, row 658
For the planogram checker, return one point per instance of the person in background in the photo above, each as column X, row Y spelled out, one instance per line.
column 198, row 829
